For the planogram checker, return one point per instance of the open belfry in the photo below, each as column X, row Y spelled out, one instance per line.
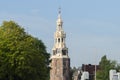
column 60, row 61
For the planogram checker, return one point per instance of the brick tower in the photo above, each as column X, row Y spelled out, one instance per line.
column 60, row 64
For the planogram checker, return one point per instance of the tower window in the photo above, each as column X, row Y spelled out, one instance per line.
column 58, row 50
column 58, row 39
column 54, row 52
column 62, row 39
column 59, row 25
column 64, row 52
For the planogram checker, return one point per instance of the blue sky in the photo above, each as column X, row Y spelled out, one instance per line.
column 92, row 26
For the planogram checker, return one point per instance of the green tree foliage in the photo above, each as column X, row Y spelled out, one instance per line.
column 118, row 67
column 22, row 57
column 72, row 70
column 105, row 66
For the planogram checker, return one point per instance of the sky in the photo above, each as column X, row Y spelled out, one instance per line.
column 92, row 26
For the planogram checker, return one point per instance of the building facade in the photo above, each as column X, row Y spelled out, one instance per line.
column 60, row 61
column 90, row 69
column 114, row 75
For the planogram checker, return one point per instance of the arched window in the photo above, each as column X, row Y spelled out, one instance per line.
column 58, row 40
column 62, row 39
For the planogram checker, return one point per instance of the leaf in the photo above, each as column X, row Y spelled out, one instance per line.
column 22, row 56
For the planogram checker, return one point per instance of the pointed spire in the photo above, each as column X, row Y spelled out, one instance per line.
column 59, row 21
column 59, row 13
column 59, row 10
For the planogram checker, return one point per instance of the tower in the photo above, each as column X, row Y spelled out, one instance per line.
column 60, row 61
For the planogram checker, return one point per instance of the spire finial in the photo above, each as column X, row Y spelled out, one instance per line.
column 59, row 10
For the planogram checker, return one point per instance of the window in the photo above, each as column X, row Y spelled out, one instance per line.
column 62, row 39
column 64, row 52
column 58, row 50
column 54, row 52
column 58, row 39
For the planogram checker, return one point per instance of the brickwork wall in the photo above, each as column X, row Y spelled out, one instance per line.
column 60, row 69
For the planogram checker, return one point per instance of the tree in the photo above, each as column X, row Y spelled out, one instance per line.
column 22, row 56
column 72, row 70
column 105, row 66
column 118, row 67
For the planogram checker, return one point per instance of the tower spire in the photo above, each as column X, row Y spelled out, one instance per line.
column 59, row 20
column 60, row 61
column 59, row 14
column 59, row 48
column 59, row 10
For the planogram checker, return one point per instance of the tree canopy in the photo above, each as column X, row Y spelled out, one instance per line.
column 22, row 56
column 105, row 66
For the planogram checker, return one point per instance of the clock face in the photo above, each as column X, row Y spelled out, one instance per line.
column 58, row 50
column 58, row 34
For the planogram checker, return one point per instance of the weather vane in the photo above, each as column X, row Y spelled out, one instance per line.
column 59, row 10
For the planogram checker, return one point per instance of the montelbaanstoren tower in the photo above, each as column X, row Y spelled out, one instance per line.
column 60, row 64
